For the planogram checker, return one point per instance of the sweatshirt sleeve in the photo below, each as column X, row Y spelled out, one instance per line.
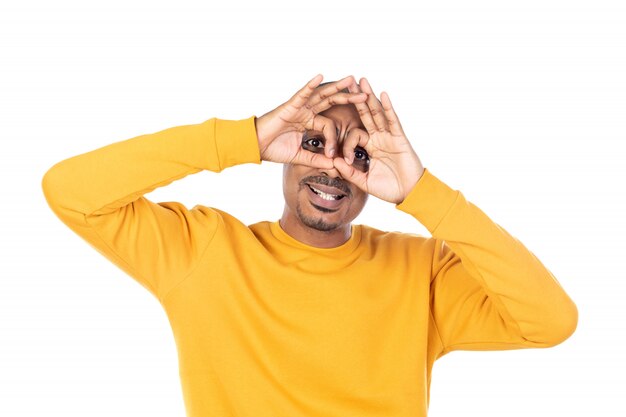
column 99, row 195
column 487, row 291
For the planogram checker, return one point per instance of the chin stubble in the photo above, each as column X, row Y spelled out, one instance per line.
column 315, row 223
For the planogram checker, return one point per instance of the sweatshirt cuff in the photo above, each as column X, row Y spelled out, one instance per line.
column 236, row 142
column 429, row 201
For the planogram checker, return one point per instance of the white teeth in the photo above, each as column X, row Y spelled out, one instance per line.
column 324, row 195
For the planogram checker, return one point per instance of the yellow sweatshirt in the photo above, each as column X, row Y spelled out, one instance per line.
column 267, row 326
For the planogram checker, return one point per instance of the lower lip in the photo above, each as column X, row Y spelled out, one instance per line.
column 330, row 204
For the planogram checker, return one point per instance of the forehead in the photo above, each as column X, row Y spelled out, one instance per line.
column 346, row 116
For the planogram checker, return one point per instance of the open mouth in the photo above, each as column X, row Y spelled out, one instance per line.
column 324, row 195
column 323, row 199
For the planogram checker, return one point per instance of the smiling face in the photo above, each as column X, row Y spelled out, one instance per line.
column 319, row 203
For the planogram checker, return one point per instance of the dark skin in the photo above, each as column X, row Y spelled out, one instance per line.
column 312, row 133
column 307, row 221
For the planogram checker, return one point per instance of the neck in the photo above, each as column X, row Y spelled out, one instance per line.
column 313, row 237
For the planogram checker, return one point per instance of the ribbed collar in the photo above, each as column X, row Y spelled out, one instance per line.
column 339, row 251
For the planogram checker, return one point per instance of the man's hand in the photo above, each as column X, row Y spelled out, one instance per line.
column 280, row 131
column 394, row 167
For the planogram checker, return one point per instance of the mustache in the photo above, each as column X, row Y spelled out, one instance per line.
column 330, row 182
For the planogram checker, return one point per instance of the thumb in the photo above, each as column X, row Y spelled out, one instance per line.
column 350, row 173
column 312, row 160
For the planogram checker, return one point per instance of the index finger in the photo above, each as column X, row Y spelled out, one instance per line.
column 364, row 112
column 375, row 107
column 356, row 137
column 329, row 131
column 337, row 98
column 394, row 123
column 324, row 95
column 302, row 96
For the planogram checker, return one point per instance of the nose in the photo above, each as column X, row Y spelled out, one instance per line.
column 331, row 172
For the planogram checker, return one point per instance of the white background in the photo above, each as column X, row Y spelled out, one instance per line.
column 520, row 105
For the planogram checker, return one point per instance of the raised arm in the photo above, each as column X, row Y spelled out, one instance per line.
column 99, row 195
column 487, row 291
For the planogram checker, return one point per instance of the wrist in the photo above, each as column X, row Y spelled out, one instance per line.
column 260, row 124
column 412, row 183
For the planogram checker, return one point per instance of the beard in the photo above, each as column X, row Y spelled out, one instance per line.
column 315, row 223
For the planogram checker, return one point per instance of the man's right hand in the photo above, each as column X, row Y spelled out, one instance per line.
column 280, row 131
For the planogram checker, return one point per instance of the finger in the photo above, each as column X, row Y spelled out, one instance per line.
column 394, row 122
column 338, row 98
column 311, row 159
column 349, row 173
column 354, row 88
column 329, row 130
column 364, row 111
column 375, row 107
column 356, row 137
column 304, row 94
column 326, row 91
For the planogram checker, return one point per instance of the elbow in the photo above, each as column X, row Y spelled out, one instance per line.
column 563, row 326
column 55, row 190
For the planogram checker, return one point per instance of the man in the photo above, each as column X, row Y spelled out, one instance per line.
column 310, row 315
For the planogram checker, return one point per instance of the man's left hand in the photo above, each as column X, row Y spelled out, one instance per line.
column 394, row 167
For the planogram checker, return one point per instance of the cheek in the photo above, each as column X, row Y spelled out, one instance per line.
column 360, row 198
column 288, row 184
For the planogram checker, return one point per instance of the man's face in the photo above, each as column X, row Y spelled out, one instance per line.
column 304, row 204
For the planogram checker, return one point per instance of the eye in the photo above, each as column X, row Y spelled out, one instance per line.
column 361, row 154
column 315, row 142
column 361, row 160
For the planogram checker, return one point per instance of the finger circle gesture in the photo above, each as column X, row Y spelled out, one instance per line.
column 280, row 131
column 394, row 167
